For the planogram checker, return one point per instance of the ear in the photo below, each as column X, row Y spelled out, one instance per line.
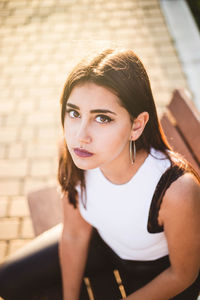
column 138, row 125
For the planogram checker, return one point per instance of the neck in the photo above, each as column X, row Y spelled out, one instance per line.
column 124, row 170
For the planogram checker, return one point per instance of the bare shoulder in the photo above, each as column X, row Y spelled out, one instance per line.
column 182, row 197
column 185, row 189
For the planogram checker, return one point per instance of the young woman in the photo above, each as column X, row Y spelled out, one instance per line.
column 130, row 203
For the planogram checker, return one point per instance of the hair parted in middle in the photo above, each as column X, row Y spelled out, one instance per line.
column 122, row 72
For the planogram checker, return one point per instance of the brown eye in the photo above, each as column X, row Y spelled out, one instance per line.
column 73, row 114
column 103, row 119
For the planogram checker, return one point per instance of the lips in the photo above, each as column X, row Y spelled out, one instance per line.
column 82, row 153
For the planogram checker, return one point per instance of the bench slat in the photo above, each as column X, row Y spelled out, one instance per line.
column 45, row 209
column 187, row 119
column 176, row 141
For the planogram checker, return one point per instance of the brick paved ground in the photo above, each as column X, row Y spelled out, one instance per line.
column 39, row 43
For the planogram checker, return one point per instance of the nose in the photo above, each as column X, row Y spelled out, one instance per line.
column 83, row 134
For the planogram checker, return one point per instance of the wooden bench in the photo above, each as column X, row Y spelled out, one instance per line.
column 181, row 124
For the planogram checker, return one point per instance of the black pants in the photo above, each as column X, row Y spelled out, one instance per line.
column 34, row 274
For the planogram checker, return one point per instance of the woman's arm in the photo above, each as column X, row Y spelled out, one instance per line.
column 180, row 215
column 73, row 250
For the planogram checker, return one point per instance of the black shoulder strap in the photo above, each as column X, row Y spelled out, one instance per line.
column 172, row 174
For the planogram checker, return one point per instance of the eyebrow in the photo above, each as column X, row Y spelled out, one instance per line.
column 93, row 110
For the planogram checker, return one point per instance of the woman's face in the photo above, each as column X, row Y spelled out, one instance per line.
column 97, row 128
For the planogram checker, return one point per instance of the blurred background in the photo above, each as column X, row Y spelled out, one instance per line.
column 40, row 41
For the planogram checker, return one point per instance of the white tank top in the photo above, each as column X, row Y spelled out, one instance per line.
column 120, row 212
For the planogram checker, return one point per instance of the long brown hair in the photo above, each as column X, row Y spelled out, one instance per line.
column 124, row 74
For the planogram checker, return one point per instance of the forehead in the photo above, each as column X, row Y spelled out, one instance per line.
column 92, row 95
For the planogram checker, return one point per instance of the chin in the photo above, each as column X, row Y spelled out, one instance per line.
column 85, row 165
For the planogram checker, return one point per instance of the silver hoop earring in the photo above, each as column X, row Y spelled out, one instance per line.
column 132, row 149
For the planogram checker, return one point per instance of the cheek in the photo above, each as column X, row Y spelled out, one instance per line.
column 68, row 127
column 67, row 133
column 114, row 140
